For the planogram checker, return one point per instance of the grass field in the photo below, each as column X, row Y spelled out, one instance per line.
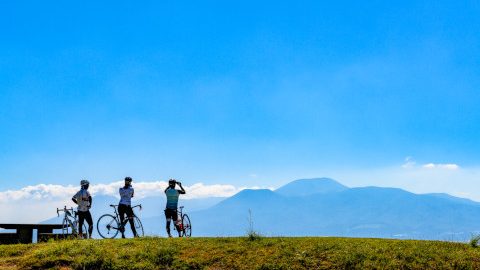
column 241, row 253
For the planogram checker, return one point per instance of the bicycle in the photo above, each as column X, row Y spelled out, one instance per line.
column 70, row 223
column 185, row 226
column 109, row 225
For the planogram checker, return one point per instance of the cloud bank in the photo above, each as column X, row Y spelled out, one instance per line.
column 142, row 190
column 40, row 201
column 411, row 164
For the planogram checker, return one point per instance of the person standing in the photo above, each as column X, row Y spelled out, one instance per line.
column 84, row 201
column 125, row 206
column 172, row 204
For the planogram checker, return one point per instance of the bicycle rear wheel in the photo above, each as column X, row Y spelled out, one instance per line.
column 70, row 229
column 66, row 227
column 107, row 226
column 187, row 226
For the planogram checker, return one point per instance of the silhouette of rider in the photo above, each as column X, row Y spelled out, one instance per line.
column 84, row 202
column 172, row 204
column 125, row 206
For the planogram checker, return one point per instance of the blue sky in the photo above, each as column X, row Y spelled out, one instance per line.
column 241, row 93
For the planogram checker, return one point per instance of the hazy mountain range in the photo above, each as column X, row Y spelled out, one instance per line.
column 319, row 207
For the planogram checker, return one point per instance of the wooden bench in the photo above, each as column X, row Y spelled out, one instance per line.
column 8, row 238
column 24, row 232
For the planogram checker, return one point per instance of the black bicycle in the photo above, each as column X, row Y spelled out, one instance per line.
column 109, row 225
column 183, row 224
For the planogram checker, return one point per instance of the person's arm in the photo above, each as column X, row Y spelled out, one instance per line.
column 74, row 198
column 166, row 189
column 133, row 192
column 90, row 202
column 182, row 190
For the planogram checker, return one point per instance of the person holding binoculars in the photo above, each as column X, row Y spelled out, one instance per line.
column 172, row 204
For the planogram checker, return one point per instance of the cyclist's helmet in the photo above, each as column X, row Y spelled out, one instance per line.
column 84, row 183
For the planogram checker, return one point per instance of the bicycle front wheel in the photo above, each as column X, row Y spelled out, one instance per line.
column 107, row 226
column 187, row 226
column 138, row 226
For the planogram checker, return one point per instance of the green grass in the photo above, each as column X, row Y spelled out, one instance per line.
column 241, row 253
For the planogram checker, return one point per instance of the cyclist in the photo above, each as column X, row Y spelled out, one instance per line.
column 84, row 202
column 172, row 204
column 125, row 206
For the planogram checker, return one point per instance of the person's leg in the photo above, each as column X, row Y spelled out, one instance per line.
column 88, row 218
column 130, row 219
column 121, row 213
column 169, row 218
column 175, row 221
column 81, row 220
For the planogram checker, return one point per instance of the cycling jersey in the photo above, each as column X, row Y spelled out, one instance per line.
column 83, row 201
column 126, row 195
column 172, row 198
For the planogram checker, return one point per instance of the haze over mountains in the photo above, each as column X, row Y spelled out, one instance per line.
column 320, row 207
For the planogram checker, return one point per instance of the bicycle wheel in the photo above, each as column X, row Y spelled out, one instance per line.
column 138, row 226
column 107, row 226
column 67, row 227
column 187, row 226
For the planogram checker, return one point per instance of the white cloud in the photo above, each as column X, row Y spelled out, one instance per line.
column 448, row 166
column 41, row 200
column 142, row 190
column 411, row 164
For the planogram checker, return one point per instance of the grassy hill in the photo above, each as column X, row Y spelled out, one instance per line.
column 241, row 253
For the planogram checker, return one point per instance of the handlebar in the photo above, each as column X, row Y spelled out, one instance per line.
column 68, row 211
column 116, row 205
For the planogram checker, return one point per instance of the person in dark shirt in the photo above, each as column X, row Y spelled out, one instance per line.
column 172, row 204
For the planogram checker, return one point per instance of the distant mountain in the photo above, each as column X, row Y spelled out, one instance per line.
column 304, row 187
column 327, row 208
column 453, row 198
column 319, row 207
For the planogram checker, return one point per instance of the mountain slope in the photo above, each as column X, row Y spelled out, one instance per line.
column 359, row 212
column 304, row 187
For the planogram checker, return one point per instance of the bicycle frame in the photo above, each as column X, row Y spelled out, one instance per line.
column 69, row 218
column 117, row 215
column 180, row 225
column 108, row 225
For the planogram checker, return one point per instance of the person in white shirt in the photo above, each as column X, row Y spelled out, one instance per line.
column 84, row 202
column 125, row 206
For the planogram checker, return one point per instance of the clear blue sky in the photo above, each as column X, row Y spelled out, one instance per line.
column 219, row 91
